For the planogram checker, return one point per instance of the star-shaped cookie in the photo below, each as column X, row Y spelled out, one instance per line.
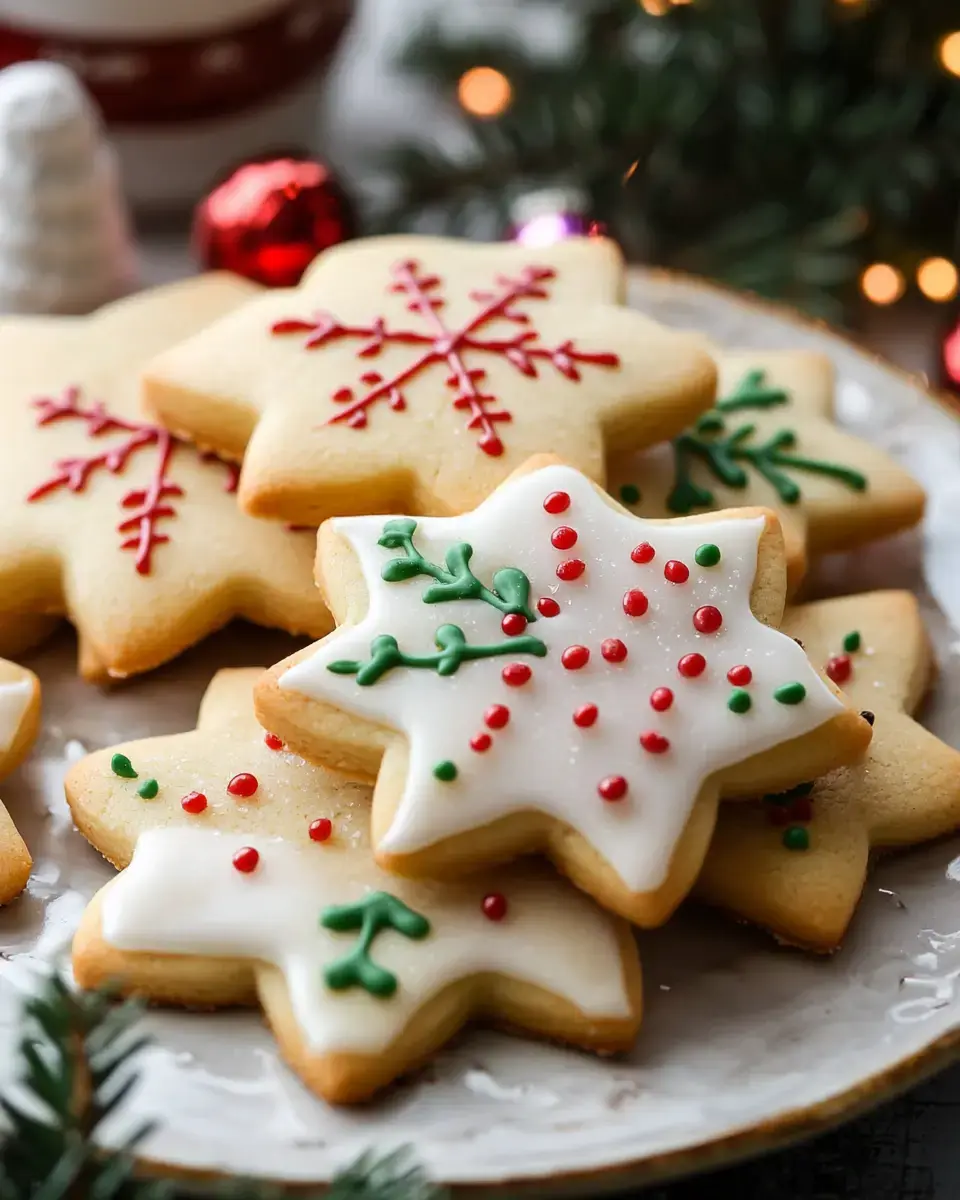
column 771, row 440
column 112, row 522
column 19, row 721
column 414, row 374
column 796, row 863
column 250, row 880
column 551, row 673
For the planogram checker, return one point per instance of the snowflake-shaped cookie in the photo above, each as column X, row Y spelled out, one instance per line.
column 549, row 672
column 19, row 721
column 249, row 879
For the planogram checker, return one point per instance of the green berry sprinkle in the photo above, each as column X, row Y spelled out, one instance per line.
column 707, row 555
column 122, row 766
column 790, row 693
column 739, row 701
column 630, row 494
column 851, row 643
column 445, row 771
column 796, row 838
column 148, row 789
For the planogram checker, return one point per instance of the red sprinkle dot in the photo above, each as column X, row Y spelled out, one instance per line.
column 481, row 742
column 707, row 619
column 246, row 859
column 653, row 742
column 740, row 676
column 614, row 787
column 515, row 674
column 547, row 606
column 676, row 572
column 273, row 741
column 692, row 665
column 575, row 657
column 779, row 814
column 194, row 802
column 496, row 716
column 635, row 603
column 495, row 906
column 557, row 502
column 243, row 785
column 643, row 553
column 585, row 716
column 320, row 829
column 801, row 809
column 839, row 668
column 613, row 650
column 513, row 624
column 573, row 568
column 563, row 538
column 660, row 699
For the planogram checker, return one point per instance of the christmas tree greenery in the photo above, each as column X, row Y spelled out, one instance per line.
column 76, row 1052
column 777, row 145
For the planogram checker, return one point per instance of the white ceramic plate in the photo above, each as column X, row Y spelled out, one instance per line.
column 744, row 1045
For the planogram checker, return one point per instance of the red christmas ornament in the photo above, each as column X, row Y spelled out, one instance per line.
column 269, row 220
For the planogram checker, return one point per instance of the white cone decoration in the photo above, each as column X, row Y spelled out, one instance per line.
column 65, row 245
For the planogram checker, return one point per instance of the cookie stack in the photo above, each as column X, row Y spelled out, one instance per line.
column 563, row 690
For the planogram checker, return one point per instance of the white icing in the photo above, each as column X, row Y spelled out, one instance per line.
column 541, row 760
column 14, row 701
column 182, row 895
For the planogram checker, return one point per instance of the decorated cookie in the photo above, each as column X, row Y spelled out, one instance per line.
column 796, row 862
column 19, row 721
column 771, row 440
column 416, row 373
column 551, row 673
column 251, row 881
column 110, row 520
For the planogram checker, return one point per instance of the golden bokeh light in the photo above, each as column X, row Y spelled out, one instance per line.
column 937, row 278
column 484, row 92
column 882, row 284
column 656, row 8
column 949, row 52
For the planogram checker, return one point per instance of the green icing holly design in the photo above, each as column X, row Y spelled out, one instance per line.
column 375, row 912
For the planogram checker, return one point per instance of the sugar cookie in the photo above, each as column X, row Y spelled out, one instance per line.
column 19, row 722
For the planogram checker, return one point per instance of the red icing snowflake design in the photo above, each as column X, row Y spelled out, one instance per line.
column 439, row 344
column 148, row 505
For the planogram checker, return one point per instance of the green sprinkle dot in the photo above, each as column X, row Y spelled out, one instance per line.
column 739, row 701
column 148, row 789
column 445, row 771
column 122, row 766
column 796, row 838
column 790, row 693
column 707, row 555
column 630, row 493
column 851, row 643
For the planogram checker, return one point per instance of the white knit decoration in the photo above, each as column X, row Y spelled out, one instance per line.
column 65, row 245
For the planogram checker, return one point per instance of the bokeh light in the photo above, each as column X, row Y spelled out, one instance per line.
column 949, row 52
column 484, row 92
column 882, row 283
column 937, row 278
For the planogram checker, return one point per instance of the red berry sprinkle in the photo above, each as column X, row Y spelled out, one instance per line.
column 547, row 606
column 571, row 569
column 246, row 859
column 660, row 699
column 320, row 829
column 585, row 716
column 740, row 676
column 481, row 742
column 613, row 650
column 194, row 802
column 839, row 668
column 513, row 624
column 575, row 657
column 614, row 787
column 496, row 716
column 495, row 906
column 643, row 553
column 273, row 741
column 557, row 502
column 635, row 603
column 801, row 809
column 243, row 785
column 563, row 538
column 692, row 665
column 653, row 742
column 516, row 674
column 676, row 572
column 707, row 619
